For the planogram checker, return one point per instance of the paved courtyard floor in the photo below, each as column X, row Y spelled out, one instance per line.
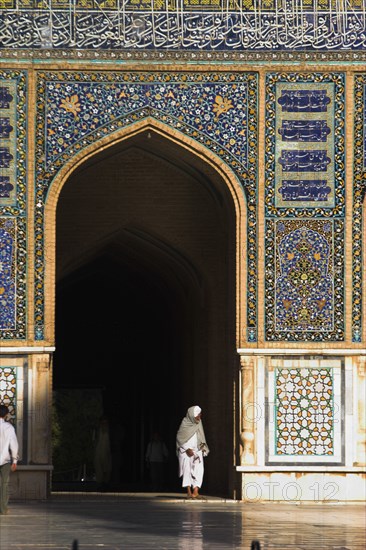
column 171, row 522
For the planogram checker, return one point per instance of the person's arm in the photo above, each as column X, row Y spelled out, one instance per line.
column 187, row 449
column 14, row 449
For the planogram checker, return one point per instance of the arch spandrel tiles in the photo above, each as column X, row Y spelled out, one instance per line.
column 78, row 109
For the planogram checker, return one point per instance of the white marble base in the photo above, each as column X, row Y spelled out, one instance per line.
column 299, row 486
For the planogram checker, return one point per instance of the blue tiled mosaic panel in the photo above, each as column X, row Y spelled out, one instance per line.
column 217, row 110
column 187, row 25
column 13, row 189
column 12, row 278
column 304, row 284
column 7, row 275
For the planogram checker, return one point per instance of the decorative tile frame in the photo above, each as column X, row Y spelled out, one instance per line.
column 304, row 412
column 359, row 192
column 304, row 121
column 77, row 109
column 298, row 89
column 13, row 222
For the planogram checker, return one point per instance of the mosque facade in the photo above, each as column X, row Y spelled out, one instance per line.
column 260, row 108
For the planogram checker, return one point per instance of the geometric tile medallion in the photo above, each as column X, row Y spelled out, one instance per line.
column 78, row 109
column 304, row 419
column 8, row 392
column 304, row 280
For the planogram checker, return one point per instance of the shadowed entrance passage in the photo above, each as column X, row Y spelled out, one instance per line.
column 146, row 303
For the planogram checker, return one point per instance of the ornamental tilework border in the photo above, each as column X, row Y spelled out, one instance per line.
column 218, row 110
column 13, row 135
column 359, row 192
column 13, row 195
column 12, row 278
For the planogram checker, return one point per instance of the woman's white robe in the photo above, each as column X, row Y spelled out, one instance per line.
column 191, row 467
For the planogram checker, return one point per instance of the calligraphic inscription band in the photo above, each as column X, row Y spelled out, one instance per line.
column 318, row 25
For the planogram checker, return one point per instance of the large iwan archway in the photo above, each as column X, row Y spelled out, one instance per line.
column 146, row 300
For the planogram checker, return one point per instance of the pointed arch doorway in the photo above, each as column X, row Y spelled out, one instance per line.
column 145, row 300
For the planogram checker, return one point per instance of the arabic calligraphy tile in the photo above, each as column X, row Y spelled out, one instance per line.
column 304, row 161
column 5, row 187
column 304, row 190
column 197, row 26
column 5, row 97
column 5, row 157
column 304, row 130
column 305, row 101
column 5, row 127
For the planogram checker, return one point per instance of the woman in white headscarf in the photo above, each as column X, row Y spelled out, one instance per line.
column 191, row 448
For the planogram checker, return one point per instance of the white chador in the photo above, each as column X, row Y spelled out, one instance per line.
column 191, row 450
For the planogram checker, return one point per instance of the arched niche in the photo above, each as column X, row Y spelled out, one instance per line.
column 208, row 313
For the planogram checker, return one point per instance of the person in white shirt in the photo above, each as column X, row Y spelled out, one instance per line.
column 191, row 449
column 8, row 457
